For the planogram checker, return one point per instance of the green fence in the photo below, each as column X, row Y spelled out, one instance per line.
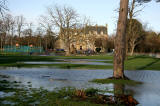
column 23, row 49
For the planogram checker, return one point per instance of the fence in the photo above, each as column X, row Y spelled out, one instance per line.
column 23, row 49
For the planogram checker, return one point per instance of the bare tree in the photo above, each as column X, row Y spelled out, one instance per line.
column 65, row 18
column 29, row 32
column 39, row 33
column 12, row 31
column 3, row 7
column 119, row 52
column 47, row 25
column 132, row 34
column 136, row 32
column 20, row 24
column 9, row 23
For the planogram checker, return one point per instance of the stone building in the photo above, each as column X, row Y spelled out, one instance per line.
column 84, row 39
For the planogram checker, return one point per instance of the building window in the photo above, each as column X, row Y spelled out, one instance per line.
column 80, row 47
column 101, row 32
column 95, row 32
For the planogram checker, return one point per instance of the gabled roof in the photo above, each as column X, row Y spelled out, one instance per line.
column 96, row 28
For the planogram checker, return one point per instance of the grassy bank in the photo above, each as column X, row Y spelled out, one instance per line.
column 116, row 81
column 133, row 62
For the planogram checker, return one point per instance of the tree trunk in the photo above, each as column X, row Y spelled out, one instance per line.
column 1, row 43
column 46, row 45
column 126, row 51
column 132, row 49
column 119, row 53
column 67, row 49
column 68, row 42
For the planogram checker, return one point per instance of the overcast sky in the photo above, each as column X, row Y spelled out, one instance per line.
column 100, row 11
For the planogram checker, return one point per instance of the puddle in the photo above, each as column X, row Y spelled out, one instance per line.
column 3, row 94
column 86, row 60
column 72, row 61
column 148, row 94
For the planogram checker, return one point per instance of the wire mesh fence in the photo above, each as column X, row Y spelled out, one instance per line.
column 22, row 49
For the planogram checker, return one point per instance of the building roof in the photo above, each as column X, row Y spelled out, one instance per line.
column 96, row 28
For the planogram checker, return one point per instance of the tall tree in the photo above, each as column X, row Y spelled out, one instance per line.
column 65, row 18
column 3, row 7
column 9, row 25
column 39, row 33
column 28, row 32
column 132, row 12
column 134, row 34
column 119, row 53
column 47, row 25
column 20, row 25
column 152, row 42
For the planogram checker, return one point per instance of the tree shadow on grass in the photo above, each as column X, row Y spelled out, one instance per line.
column 136, row 57
column 148, row 65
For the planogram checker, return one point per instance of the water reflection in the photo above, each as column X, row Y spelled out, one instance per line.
column 148, row 94
column 71, row 61
column 68, row 62
column 121, row 95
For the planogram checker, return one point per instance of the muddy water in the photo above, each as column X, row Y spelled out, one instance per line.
column 148, row 94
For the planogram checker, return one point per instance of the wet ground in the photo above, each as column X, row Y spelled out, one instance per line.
column 72, row 61
column 148, row 93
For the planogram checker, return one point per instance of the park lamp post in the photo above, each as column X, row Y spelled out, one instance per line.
column 31, row 45
column 31, row 48
column 17, row 45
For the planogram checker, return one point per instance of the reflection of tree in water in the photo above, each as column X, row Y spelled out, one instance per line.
column 123, row 96
column 119, row 89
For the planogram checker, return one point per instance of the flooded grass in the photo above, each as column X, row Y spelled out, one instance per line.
column 63, row 66
column 25, row 96
column 19, row 61
column 62, row 97
column 116, row 81
column 75, row 75
column 41, row 97
column 133, row 62
column 11, row 95
column 8, row 86
column 31, row 96
column 51, row 78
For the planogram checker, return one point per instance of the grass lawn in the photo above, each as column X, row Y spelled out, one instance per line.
column 133, row 62
column 142, row 63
